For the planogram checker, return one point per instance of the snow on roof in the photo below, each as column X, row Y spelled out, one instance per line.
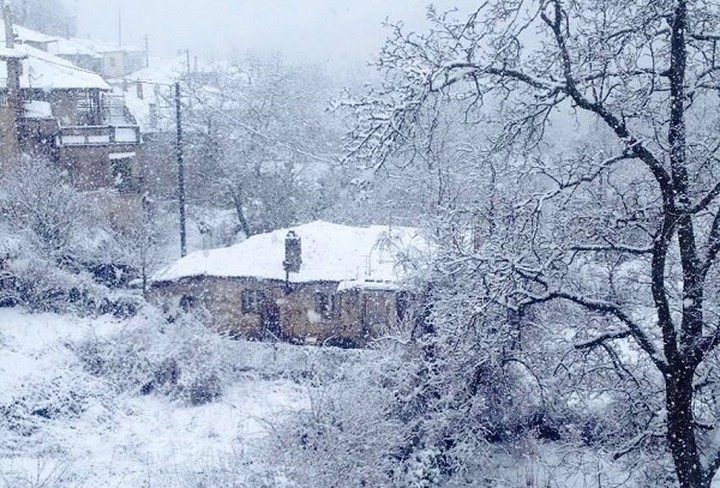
column 55, row 44
column 356, row 257
column 70, row 47
column 45, row 71
column 161, row 71
column 104, row 47
column 9, row 53
column 29, row 35
column 153, row 111
column 23, row 34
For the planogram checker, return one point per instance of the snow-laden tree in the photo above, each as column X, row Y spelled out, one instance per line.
column 38, row 203
column 47, row 16
column 138, row 243
column 607, row 206
column 59, row 243
column 266, row 140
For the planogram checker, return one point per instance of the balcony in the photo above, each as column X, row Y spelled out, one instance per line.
column 98, row 135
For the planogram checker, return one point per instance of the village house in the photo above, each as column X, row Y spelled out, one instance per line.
column 67, row 115
column 76, row 52
column 314, row 283
column 115, row 62
column 111, row 61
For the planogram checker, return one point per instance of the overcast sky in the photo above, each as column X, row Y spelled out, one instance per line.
column 336, row 32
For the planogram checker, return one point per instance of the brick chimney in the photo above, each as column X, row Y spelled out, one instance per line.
column 293, row 253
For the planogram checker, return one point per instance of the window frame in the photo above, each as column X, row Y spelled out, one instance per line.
column 328, row 305
column 251, row 300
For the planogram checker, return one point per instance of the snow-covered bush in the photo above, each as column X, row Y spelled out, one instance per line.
column 31, row 403
column 58, row 234
column 41, row 285
column 54, row 218
column 185, row 360
column 56, row 397
column 48, row 470
column 351, row 434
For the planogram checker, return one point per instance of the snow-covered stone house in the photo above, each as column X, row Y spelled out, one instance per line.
column 67, row 114
column 314, row 283
column 112, row 61
column 117, row 61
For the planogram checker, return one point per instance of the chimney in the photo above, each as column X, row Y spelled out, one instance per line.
column 293, row 253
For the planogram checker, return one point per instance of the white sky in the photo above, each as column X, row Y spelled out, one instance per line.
column 339, row 33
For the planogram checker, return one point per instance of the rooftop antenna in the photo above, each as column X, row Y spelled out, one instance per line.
column 147, row 50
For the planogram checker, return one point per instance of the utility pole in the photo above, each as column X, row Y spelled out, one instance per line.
column 181, row 172
column 147, row 50
column 119, row 28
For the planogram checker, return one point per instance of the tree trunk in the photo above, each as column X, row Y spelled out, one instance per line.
column 680, row 429
column 238, row 203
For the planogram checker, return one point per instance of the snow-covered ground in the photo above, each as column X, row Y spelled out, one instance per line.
column 63, row 426
column 74, row 413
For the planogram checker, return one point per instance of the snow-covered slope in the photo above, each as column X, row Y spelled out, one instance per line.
column 63, row 423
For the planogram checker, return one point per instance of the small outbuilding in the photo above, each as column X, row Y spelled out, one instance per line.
column 314, row 283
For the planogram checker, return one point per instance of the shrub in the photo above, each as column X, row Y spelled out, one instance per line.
column 184, row 360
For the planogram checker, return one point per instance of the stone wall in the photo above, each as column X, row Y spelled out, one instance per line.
column 357, row 316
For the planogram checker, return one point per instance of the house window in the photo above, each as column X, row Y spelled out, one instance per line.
column 121, row 168
column 252, row 301
column 327, row 305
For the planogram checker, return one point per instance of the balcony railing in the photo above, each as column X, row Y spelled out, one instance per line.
column 98, row 135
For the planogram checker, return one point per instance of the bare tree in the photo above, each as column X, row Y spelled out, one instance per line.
column 267, row 139
column 139, row 243
column 47, row 16
column 625, row 227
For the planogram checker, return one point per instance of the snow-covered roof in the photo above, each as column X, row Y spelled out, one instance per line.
column 104, row 47
column 29, row 35
column 355, row 257
column 71, row 47
column 161, row 71
column 153, row 111
column 10, row 53
column 45, row 71
column 55, row 44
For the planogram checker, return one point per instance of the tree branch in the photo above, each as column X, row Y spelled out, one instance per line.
column 592, row 343
column 604, row 306
column 613, row 248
